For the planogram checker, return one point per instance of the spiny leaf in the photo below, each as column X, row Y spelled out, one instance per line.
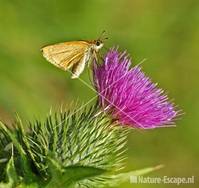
column 11, row 172
column 11, row 175
column 70, row 175
column 5, row 152
column 115, row 180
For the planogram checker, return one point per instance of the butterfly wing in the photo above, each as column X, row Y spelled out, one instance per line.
column 78, row 67
column 66, row 55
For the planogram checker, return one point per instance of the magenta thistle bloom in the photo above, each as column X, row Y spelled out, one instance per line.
column 129, row 95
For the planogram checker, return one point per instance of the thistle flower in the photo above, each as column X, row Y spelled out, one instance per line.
column 129, row 95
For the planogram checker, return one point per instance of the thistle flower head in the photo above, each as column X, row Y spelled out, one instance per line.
column 73, row 148
column 129, row 95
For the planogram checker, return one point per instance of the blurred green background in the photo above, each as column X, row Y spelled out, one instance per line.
column 166, row 33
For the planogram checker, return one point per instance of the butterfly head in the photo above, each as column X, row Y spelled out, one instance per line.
column 99, row 43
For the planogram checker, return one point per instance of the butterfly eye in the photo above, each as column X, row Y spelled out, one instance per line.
column 98, row 43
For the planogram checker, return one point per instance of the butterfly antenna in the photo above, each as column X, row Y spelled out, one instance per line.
column 102, row 36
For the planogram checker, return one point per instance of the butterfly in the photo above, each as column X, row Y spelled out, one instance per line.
column 73, row 55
